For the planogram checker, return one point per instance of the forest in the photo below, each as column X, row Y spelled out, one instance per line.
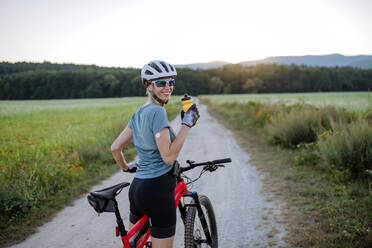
column 47, row 80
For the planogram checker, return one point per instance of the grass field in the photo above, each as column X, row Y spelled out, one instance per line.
column 31, row 106
column 317, row 161
column 352, row 100
column 51, row 151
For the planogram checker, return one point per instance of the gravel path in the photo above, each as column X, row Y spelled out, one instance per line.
column 244, row 217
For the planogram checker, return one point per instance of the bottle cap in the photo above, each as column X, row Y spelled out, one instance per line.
column 186, row 97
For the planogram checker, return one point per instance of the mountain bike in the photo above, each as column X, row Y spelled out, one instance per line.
column 196, row 210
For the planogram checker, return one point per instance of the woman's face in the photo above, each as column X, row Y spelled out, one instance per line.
column 164, row 93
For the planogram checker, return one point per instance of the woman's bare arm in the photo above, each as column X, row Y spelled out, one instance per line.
column 170, row 150
column 117, row 147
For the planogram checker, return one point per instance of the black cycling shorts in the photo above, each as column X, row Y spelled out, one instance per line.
column 154, row 197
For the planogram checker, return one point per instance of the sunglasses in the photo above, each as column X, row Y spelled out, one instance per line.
column 162, row 83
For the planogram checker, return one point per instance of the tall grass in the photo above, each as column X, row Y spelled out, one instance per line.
column 290, row 130
column 302, row 126
column 348, row 147
column 332, row 154
column 248, row 114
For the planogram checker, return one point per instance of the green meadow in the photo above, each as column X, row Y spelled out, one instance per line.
column 351, row 100
column 52, row 151
column 31, row 106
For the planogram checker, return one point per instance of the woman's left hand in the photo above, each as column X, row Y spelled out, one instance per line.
column 190, row 117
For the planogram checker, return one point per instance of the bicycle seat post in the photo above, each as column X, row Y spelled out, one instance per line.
column 119, row 221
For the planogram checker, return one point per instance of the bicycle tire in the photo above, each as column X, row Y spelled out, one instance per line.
column 194, row 231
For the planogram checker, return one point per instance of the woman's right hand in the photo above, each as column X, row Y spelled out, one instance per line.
column 190, row 117
column 132, row 167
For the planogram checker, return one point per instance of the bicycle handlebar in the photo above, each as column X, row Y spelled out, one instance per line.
column 222, row 161
column 192, row 164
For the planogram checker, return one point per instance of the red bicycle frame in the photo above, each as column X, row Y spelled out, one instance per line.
column 141, row 231
column 179, row 192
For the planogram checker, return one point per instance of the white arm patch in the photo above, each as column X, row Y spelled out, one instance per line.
column 157, row 135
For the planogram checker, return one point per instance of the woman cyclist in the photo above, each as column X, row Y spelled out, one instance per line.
column 152, row 189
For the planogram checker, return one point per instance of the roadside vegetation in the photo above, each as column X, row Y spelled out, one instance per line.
column 322, row 169
column 53, row 151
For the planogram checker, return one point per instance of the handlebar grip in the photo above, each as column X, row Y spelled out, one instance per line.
column 222, row 161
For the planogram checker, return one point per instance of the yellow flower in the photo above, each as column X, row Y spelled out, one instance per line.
column 76, row 169
column 324, row 133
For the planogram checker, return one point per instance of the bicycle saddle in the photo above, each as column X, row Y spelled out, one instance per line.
column 110, row 192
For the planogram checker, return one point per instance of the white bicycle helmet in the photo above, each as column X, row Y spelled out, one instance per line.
column 157, row 69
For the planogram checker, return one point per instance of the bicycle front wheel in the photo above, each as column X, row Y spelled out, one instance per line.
column 194, row 234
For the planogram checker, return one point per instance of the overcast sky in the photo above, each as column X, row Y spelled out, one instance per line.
column 132, row 32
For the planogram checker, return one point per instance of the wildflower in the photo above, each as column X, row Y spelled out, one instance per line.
column 325, row 133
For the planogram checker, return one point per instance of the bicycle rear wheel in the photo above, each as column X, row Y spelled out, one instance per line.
column 194, row 234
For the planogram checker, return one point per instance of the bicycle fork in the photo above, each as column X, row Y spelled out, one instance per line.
column 195, row 197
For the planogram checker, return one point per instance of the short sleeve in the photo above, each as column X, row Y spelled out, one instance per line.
column 160, row 120
column 130, row 125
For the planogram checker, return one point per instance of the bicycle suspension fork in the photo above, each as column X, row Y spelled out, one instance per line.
column 195, row 197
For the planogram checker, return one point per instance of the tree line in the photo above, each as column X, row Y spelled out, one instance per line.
column 61, row 81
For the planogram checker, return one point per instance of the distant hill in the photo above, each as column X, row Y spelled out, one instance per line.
column 331, row 60
column 204, row 66
column 363, row 64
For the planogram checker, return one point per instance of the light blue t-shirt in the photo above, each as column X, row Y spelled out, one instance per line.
column 145, row 123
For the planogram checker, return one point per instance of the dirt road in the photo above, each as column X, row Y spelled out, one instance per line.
column 244, row 217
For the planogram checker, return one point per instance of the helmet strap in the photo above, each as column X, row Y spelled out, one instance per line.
column 157, row 98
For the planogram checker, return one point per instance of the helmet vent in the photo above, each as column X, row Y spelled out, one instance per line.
column 157, row 69
column 155, row 66
column 165, row 66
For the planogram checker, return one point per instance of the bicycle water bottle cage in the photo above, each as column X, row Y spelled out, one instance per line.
column 104, row 200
